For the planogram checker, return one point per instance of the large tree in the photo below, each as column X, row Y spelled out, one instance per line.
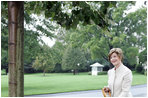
column 15, row 48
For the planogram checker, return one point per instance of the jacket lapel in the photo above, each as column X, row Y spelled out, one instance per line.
column 113, row 78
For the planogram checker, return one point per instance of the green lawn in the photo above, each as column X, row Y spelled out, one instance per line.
column 3, row 72
column 63, row 82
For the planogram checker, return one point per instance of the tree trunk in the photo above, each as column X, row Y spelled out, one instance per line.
column 44, row 73
column 16, row 34
column 75, row 71
column 6, row 70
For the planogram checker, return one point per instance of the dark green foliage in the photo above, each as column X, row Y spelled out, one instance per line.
column 106, row 68
column 79, row 12
column 143, row 56
column 139, row 68
column 102, row 73
column 58, row 68
column 4, row 36
column 73, row 59
column 44, row 61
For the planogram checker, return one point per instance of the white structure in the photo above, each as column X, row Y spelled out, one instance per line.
column 144, row 65
column 96, row 68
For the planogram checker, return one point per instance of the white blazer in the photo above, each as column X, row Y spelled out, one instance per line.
column 119, row 81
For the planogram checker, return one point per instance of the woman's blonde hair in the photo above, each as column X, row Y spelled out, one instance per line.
column 118, row 51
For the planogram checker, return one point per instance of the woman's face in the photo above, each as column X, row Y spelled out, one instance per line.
column 115, row 60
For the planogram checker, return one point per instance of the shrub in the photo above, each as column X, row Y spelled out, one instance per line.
column 139, row 68
column 89, row 73
column 102, row 73
column 106, row 68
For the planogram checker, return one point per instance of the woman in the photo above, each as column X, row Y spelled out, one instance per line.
column 119, row 77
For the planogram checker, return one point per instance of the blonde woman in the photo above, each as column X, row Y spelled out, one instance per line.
column 119, row 77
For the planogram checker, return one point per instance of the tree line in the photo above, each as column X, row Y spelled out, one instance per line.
column 82, row 38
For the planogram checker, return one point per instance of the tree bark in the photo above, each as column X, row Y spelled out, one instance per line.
column 15, row 48
column 43, row 72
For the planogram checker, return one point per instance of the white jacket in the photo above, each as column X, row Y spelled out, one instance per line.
column 119, row 81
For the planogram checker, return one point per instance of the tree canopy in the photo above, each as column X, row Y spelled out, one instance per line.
column 70, row 13
column 90, row 27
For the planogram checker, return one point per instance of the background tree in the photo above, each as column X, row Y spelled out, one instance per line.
column 133, row 29
column 99, row 41
column 73, row 59
column 4, row 36
column 58, row 51
column 44, row 61
column 143, row 56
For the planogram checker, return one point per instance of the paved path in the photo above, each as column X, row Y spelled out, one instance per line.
column 137, row 91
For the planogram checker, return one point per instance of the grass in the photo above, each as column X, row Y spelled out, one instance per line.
column 3, row 72
column 63, row 82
